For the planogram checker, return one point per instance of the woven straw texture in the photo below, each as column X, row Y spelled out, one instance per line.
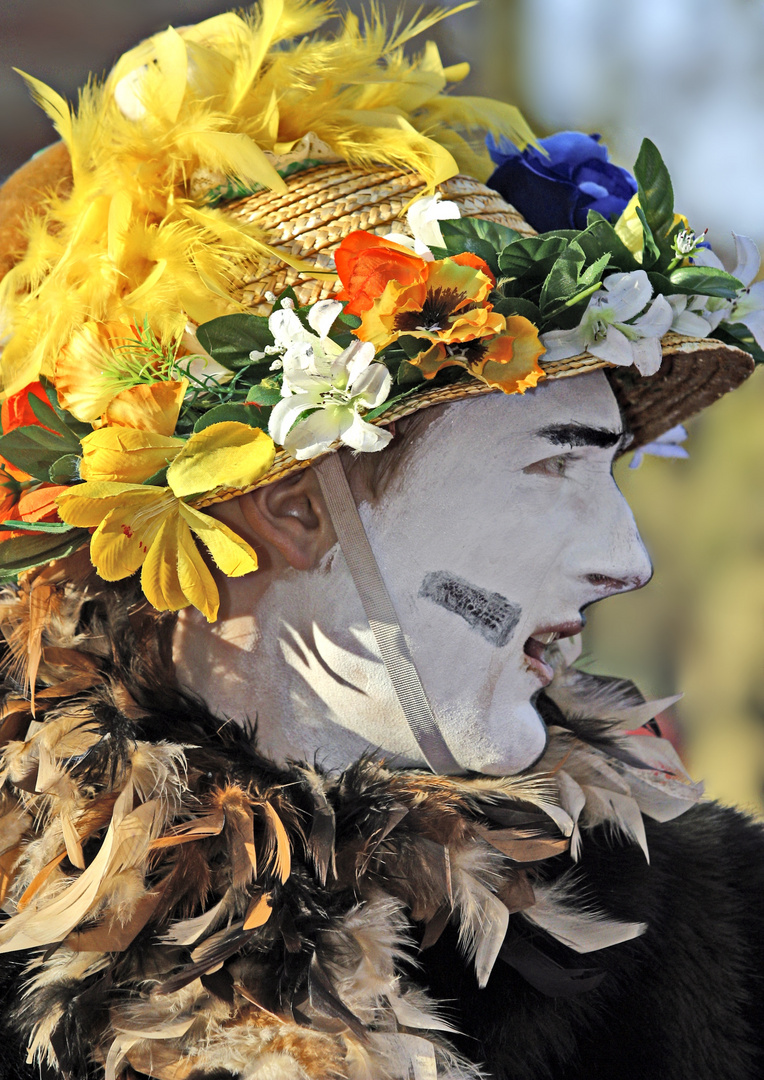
column 324, row 204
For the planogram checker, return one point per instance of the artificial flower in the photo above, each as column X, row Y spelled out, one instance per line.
column 748, row 307
column 365, row 263
column 667, row 445
column 629, row 230
column 447, row 302
column 610, row 330
column 148, row 406
column 424, row 217
column 508, row 361
column 20, row 502
column 555, row 187
column 16, row 410
column 140, row 526
column 103, row 359
column 323, row 401
column 126, row 455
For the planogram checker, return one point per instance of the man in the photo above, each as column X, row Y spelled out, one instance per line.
column 222, row 840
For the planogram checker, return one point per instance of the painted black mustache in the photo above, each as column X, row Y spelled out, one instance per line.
column 490, row 613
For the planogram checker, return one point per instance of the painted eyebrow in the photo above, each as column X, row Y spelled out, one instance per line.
column 583, row 435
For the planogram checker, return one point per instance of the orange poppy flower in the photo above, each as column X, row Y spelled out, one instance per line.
column 17, row 504
column 366, row 263
column 16, row 410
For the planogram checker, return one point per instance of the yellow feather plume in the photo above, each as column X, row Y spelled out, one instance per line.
column 136, row 238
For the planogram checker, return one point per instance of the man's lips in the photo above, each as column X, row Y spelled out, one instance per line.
column 539, row 640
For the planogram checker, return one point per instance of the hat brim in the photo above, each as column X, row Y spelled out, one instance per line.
column 325, row 203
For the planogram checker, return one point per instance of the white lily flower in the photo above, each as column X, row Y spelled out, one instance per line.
column 747, row 308
column 690, row 317
column 610, row 330
column 423, row 216
column 325, row 388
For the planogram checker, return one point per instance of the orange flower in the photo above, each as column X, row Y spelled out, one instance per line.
column 16, row 410
column 508, row 361
column 366, row 263
column 18, row 504
column 447, row 303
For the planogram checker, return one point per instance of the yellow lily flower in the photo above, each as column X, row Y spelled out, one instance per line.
column 126, row 455
column 153, row 528
column 148, row 406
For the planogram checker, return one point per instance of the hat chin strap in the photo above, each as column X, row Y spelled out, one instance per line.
column 381, row 614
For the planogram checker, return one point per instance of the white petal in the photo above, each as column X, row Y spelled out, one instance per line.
column 365, row 437
column 423, row 217
column 285, row 413
column 688, row 322
column 657, row 320
column 372, row 386
column 127, row 94
column 705, row 257
column 560, row 344
column 678, row 303
column 357, row 357
column 316, row 433
column 615, row 348
column 322, row 315
column 748, row 259
column 647, row 355
column 627, row 294
column 286, row 327
column 755, row 323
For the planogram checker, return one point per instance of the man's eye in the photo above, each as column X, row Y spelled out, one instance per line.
column 551, row 466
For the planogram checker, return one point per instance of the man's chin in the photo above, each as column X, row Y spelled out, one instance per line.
column 513, row 740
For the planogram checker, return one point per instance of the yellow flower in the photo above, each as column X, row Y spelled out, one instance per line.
column 629, row 229
column 126, row 455
column 148, row 406
column 147, row 527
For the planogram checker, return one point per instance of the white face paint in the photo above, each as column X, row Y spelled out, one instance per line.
column 502, row 523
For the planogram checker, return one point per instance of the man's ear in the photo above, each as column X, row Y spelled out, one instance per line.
column 291, row 516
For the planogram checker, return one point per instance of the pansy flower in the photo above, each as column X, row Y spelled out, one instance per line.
column 508, row 361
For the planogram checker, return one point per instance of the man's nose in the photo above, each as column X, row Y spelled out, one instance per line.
column 619, row 561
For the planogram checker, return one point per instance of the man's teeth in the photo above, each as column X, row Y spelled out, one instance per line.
column 547, row 639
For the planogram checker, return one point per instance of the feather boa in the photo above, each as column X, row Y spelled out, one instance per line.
column 221, row 103
column 184, row 907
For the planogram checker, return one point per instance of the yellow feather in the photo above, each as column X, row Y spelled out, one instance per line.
column 52, row 104
column 134, row 240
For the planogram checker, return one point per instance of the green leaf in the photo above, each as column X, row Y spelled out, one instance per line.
column 739, row 334
column 65, row 470
column 37, row 526
column 32, row 449
column 25, row 552
column 408, row 375
column 562, row 281
column 50, row 419
column 353, row 321
column 600, row 237
column 498, row 236
column 372, row 414
column 78, row 427
column 705, row 280
column 157, row 479
column 413, row 346
column 251, row 415
column 535, row 255
column 650, row 250
column 266, row 393
column 483, row 238
column 515, row 305
column 230, row 339
column 656, row 194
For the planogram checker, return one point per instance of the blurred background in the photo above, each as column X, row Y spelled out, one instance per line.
column 688, row 74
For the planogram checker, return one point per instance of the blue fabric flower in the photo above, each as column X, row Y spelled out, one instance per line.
column 558, row 191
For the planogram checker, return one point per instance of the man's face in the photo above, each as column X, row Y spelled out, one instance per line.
column 502, row 524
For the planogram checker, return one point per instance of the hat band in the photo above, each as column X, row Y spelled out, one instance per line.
column 381, row 614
